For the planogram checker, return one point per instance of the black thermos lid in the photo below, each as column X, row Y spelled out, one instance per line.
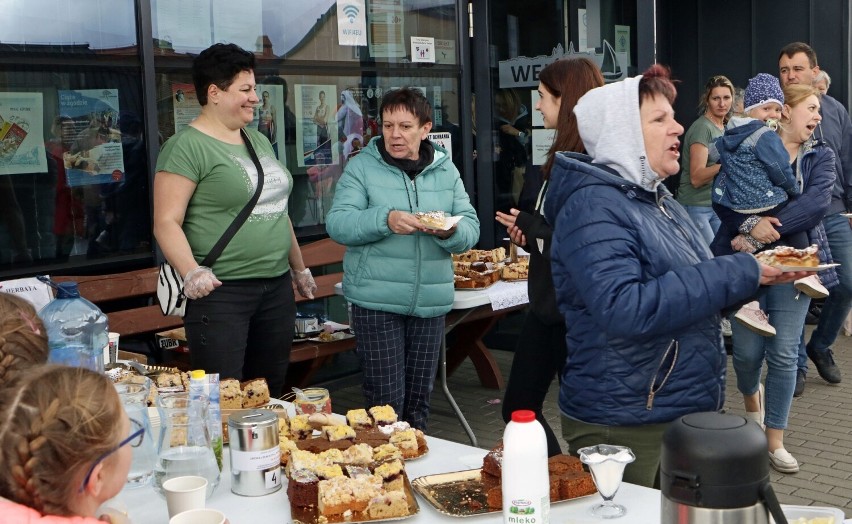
column 714, row 460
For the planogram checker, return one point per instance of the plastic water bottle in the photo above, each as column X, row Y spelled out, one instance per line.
column 525, row 481
column 77, row 330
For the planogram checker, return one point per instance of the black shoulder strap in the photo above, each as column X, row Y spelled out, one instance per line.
column 244, row 212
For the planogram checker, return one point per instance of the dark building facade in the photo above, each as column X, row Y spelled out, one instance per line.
column 90, row 90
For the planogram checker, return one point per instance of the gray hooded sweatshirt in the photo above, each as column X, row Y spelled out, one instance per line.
column 609, row 124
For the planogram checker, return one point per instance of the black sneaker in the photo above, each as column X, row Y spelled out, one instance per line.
column 800, row 383
column 824, row 362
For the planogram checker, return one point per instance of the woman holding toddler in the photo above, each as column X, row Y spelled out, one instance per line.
column 812, row 164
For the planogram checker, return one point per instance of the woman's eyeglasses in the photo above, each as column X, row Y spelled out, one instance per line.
column 135, row 439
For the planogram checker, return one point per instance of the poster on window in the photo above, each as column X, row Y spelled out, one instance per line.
column 95, row 156
column 22, row 134
column 443, row 139
column 385, row 29
column 351, row 23
column 317, row 124
column 185, row 103
column 542, row 139
column 423, row 49
column 269, row 116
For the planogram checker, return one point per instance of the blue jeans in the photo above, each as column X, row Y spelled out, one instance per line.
column 705, row 220
column 787, row 313
column 837, row 305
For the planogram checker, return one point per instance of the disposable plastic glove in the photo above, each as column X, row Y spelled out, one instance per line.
column 200, row 282
column 305, row 283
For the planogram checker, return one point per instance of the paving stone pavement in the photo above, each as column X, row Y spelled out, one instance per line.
column 819, row 433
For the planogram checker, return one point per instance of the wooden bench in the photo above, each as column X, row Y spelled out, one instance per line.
column 130, row 303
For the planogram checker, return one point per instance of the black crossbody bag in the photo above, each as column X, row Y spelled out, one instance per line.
column 170, row 284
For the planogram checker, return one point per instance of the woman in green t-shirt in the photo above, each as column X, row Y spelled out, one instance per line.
column 696, row 175
column 241, row 314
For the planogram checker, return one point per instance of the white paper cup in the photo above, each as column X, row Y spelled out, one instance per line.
column 184, row 494
column 113, row 347
column 199, row 516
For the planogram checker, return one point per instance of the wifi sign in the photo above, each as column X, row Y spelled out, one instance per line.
column 351, row 11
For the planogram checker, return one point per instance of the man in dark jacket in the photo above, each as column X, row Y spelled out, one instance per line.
column 797, row 64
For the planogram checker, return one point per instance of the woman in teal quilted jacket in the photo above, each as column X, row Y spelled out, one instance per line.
column 398, row 274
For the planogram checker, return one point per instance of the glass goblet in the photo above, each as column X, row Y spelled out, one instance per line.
column 606, row 464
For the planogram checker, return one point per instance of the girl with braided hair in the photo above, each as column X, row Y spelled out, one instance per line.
column 65, row 446
column 23, row 339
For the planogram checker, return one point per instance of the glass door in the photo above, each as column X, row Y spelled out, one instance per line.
column 512, row 41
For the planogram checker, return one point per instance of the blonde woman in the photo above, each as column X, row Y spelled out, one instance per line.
column 813, row 162
column 697, row 172
column 23, row 339
column 65, row 446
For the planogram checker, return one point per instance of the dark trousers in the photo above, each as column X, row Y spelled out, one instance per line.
column 539, row 357
column 399, row 357
column 244, row 330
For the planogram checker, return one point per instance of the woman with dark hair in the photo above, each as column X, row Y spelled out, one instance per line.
column 241, row 314
column 639, row 291
column 541, row 350
column 398, row 274
column 696, row 176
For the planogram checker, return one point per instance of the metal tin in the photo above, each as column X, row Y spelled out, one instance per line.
column 255, row 457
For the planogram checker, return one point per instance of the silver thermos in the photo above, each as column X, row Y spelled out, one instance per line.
column 714, row 469
column 255, row 457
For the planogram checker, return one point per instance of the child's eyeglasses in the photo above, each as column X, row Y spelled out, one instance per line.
column 135, row 439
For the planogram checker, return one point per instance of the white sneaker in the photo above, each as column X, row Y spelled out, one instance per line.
column 752, row 317
column 783, row 461
column 726, row 328
column 811, row 286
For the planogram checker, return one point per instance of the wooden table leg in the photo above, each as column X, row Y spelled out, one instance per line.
column 468, row 343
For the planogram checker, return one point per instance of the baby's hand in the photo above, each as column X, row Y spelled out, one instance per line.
column 741, row 244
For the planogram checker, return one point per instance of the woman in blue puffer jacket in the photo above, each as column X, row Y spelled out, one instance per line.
column 637, row 285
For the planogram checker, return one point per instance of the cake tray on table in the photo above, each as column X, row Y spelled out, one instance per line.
column 461, row 493
column 311, row 515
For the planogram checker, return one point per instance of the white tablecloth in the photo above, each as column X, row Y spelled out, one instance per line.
column 146, row 507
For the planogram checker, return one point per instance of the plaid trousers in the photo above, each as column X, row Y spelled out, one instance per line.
column 399, row 357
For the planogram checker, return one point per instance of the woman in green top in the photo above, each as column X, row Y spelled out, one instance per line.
column 240, row 317
column 696, row 175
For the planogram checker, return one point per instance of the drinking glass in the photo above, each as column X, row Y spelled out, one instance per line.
column 607, row 464
column 134, row 399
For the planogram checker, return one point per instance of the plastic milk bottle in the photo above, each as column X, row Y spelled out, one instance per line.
column 526, row 484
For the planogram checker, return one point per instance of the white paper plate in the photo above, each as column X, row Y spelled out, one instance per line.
column 810, row 512
column 820, row 267
column 450, row 222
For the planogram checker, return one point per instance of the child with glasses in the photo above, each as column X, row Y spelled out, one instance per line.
column 65, row 446
column 756, row 178
column 23, row 340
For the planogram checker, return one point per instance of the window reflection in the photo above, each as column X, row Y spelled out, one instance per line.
column 70, row 25
column 76, row 187
column 300, row 30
